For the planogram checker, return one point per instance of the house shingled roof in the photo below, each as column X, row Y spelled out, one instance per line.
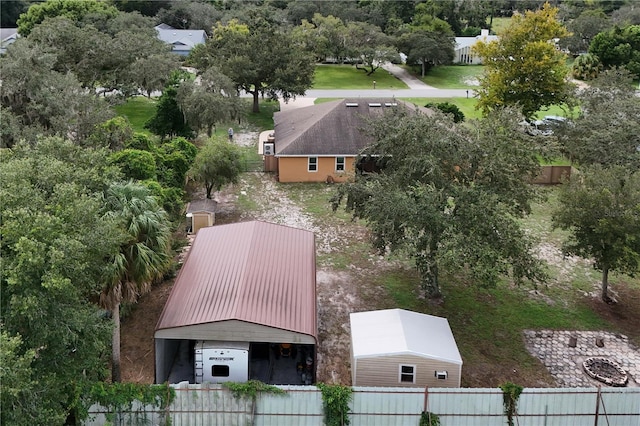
column 331, row 128
column 255, row 272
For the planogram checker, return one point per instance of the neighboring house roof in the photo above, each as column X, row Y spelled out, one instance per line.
column 7, row 37
column 331, row 128
column 181, row 40
column 397, row 331
column 254, row 272
column 206, row 205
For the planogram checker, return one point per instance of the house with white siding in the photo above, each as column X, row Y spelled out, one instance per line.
column 463, row 52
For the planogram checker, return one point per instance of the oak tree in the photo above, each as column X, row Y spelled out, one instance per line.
column 259, row 55
column 600, row 208
column 54, row 243
column 449, row 196
column 75, row 10
column 607, row 128
column 216, row 165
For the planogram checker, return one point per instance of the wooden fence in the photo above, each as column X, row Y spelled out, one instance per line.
column 553, row 175
column 213, row 405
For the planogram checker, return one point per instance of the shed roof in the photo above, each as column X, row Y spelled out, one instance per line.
column 257, row 273
column 205, row 205
column 398, row 331
column 330, row 128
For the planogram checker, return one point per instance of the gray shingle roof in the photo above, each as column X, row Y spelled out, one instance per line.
column 331, row 128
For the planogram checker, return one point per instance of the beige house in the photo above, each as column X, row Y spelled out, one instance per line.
column 396, row 347
column 322, row 143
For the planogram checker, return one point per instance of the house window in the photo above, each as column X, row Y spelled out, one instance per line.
column 313, row 164
column 407, row 373
column 220, row 371
column 339, row 164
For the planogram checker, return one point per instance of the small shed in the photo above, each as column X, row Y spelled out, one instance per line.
column 396, row 347
column 200, row 214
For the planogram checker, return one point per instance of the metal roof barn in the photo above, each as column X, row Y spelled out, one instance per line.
column 249, row 281
column 396, row 347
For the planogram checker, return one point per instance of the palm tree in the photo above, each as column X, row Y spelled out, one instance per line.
column 143, row 256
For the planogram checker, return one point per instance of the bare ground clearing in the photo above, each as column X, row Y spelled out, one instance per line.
column 351, row 288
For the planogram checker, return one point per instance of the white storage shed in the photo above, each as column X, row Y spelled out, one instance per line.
column 396, row 347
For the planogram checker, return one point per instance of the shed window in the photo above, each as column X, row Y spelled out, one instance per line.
column 220, row 371
column 407, row 373
column 313, row 164
column 339, row 164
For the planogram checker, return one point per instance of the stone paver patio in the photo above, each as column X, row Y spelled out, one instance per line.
column 564, row 362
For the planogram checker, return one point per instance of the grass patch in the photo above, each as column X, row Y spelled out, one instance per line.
column 138, row 110
column 348, row 77
column 560, row 110
column 498, row 24
column 452, row 76
column 262, row 120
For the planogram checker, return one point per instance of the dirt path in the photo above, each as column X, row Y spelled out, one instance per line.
column 338, row 292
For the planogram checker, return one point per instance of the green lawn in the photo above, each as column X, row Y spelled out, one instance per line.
column 452, row 76
column 499, row 24
column 348, row 77
column 138, row 111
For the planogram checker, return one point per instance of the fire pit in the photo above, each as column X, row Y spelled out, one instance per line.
column 605, row 370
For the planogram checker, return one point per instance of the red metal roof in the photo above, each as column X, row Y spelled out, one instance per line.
column 257, row 272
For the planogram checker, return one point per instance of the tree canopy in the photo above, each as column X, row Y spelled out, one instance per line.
column 449, row 196
column 44, row 99
column 523, row 67
column 217, row 164
column 54, row 242
column 168, row 120
column 212, row 100
column 143, row 254
column 601, row 209
column 368, row 44
column 260, row 56
column 619, row 47
column 75, row 10
column 607, row 129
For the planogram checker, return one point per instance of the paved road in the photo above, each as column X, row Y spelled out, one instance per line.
column 388, row 93
column 416, row 89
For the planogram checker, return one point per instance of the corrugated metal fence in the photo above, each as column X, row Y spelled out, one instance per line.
column 211, row 405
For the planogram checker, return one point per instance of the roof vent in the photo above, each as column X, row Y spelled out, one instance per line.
column 390, row 104
column 351, row 104
column 375, row 104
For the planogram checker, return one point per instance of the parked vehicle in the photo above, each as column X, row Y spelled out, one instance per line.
column 544, row 127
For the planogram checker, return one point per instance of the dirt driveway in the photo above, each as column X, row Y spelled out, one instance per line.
column 338, row 291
